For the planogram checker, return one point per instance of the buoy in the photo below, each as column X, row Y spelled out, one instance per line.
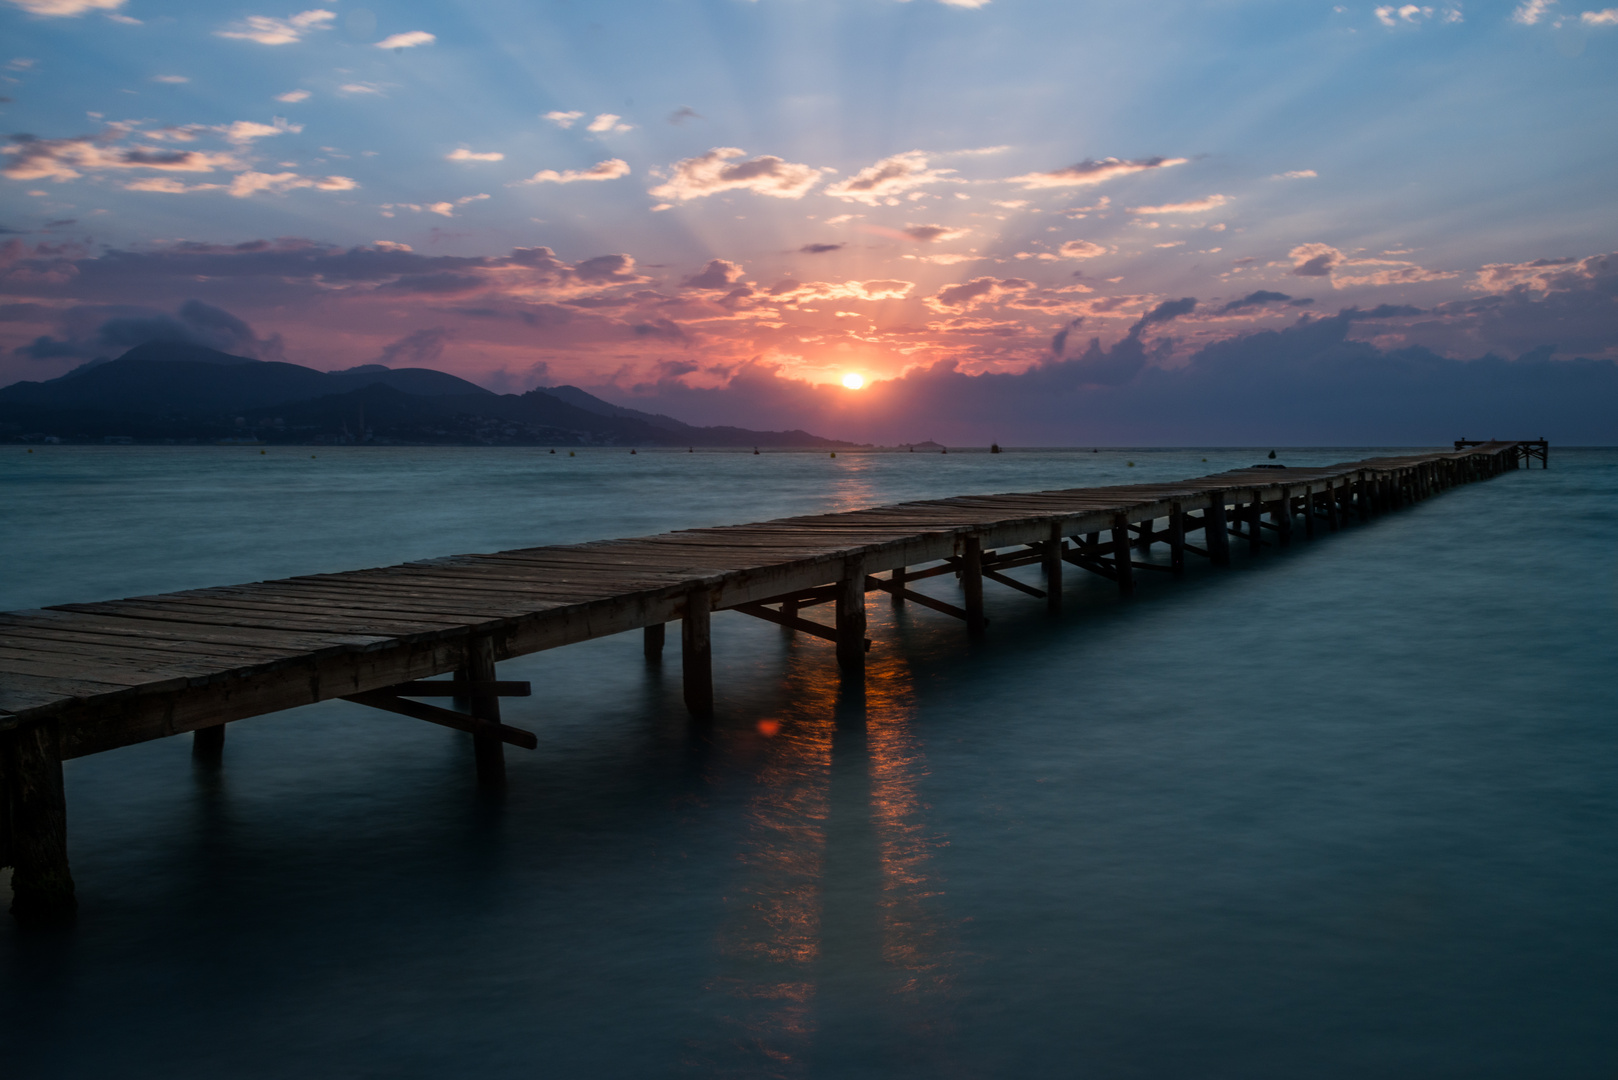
column 944, row 450
column 755, row 451
column 834, row 453
column 264, row 451
column 690, row 449
column 994, row 448
column 311, row 457
column 1272, row 455
column 632, row 451
column 570, row 453
column 553, row 451
column 1131, row 464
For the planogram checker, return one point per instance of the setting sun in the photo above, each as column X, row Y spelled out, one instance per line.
column 853, row 381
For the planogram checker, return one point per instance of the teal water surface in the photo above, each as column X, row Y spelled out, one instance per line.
column 1342, row 810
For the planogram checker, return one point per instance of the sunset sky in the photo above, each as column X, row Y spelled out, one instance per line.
column 720, row 208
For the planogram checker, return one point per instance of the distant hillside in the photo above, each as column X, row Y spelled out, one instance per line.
column 169, row 392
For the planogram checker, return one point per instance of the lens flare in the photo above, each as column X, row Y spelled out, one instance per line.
column 853, row 380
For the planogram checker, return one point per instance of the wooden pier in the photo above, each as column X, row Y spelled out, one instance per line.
column 78, row 679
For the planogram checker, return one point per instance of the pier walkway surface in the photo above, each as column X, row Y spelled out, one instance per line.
column 78, row 679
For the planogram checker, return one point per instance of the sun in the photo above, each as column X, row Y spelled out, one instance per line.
column 853, row 380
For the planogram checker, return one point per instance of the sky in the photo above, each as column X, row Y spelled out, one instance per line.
column 1041, row 222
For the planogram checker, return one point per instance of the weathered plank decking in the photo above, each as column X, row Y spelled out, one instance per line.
column 79, row 679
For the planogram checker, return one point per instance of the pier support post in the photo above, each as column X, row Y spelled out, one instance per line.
column 851, row 616
column 1122, row 566
column 1331, row 508
column 34, row 839
column 485, row 705
column 1051, row 558
column 651, row 645
column 1309, row 502
column 1255, row 515
column 1177, row 539
column 208, row 743
column 696, row 653
column 1215, row 532
column 897, row 595
column 1281, row 515
column 972, row 585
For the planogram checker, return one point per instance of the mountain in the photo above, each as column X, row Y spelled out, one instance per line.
column 173, row 392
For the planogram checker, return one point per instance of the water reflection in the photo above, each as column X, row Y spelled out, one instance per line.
column 832, row 947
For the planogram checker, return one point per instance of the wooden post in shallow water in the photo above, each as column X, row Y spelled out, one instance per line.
column 652, row 644
column 1177, row 539
column 1122, row 565
column 485, row 702
column 1215, row 532
column 33, row 838
column 1255, row 528
column 851, row 617
column 1051, row 558
column 1281, row 515
column 899, row 576
column 208, row 743
column 972, row 585
column 696, row 653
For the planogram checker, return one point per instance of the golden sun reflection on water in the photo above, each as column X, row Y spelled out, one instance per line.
column 834, row 903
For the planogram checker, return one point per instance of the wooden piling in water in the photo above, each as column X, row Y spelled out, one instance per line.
column 489, row 751
column 972, row 584
column 1215, row 530
column 652, row 642
column 1122, row 564
column 208, row 743
column 34, row 803
column 851, row 616
column 1051, row 560
column 1177, row 539
column 696, row 653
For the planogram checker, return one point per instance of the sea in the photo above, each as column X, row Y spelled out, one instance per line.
column 1345, row 809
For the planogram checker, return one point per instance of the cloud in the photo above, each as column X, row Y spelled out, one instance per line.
column 1608, row 17
column 1088, row 172
column 1412, row 13
column 67, row 8
column 719, row 274
column 975, row 293
column 107, row 331
column 464, row 154
column 270, row 31
column 1081, row 249
column 292, row 97
column 1296, row 174
column 1314, row 260
column 562, row 119
column 1540, row 275
column 611, row 169
column 168, row 186
column 251, row 183
column 932, row 234
column 1198, row 206
column 359, row 88
column 1260, row 298
column 1531, row 11
column 419, row 348
column 32, row 158
column 682, row 114
column 408, row 40
column 972, row 5
column 608, row 122
column 709, row 174
column 793, row 292
column 881, row 183
column 608, row 270
column 175, row 79
column 244, row 132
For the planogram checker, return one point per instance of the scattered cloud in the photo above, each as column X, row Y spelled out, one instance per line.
column 464, row 154
column 712, row 173
column 169, row 186
column 1296, row 174
column 719, row 274
column 682, row 114
column 562, row 119
column 408, row 40
column 446, row 208
column 270, row 31
column 975, row 293
column 606, row 122
column 244, row 132
column 292, row 97
column 820, row 249
column 360, row 88
column 611, row 169
column 1608, row 17
column 251, row 183
column 1262, row 297
column 32, row 158
column 67, row 8
column 171, row 78
column 1314, row 260
column 1529, row 12
column 969, row 4
column 1087, row 172
column 883, row 182
column 1198, row 206
column 1081, row 249
column 932, row 234
column 1388, row 15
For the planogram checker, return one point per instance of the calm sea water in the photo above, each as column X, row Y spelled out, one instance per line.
column 1346, row 810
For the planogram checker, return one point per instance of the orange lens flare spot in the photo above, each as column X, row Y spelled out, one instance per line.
column 853, row 380
column 769, row 727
